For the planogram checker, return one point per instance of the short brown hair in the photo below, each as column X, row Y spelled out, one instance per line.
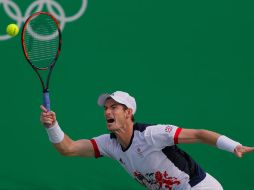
column 125, row 108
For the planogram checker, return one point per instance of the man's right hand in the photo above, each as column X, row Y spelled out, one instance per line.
column 47, row 118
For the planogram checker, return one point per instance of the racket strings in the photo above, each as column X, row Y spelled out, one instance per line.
column 42, row 40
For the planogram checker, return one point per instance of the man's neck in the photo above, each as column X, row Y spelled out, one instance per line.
column 124, row 135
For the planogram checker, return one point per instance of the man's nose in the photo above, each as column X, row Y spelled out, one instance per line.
column 107, row 111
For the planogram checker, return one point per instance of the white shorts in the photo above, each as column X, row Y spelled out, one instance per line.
column 209, row 183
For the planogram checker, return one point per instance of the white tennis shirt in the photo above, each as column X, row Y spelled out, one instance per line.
column 152, row 157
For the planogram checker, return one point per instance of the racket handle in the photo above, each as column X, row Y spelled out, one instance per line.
column 46, row 100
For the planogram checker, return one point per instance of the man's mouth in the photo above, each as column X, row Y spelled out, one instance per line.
column 111, row 120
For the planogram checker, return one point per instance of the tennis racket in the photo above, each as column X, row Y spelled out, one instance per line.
column 41, row 42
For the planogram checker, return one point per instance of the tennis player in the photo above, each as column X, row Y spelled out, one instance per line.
column 148, row 152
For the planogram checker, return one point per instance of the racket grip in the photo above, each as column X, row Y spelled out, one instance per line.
column 46, row 100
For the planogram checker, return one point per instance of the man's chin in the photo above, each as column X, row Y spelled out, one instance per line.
column 110, row 126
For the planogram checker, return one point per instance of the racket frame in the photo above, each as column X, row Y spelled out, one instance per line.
column 45, row 87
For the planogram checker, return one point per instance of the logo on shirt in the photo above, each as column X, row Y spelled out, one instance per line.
column 168, row 129
column 157, row 180
column 165, row 181
column 139, row 151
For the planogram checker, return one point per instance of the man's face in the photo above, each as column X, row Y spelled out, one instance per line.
column 115, row 115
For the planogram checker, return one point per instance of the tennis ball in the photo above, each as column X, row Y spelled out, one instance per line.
column 12, row 29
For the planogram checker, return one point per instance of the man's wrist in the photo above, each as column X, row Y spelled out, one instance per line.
column 55, row 133
column 225, row 143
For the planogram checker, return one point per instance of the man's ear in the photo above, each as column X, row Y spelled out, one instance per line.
column 129, row 112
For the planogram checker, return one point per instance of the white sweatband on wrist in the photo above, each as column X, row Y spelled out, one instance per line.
column 225, row 143
column 55, row 133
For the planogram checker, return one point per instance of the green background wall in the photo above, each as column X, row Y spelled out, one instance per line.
column 188, row 63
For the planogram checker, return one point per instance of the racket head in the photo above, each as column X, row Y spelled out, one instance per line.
column 41, row 40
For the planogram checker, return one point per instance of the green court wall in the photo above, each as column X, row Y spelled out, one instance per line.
column 187, row 63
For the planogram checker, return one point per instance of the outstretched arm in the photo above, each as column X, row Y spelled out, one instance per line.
column 213, row 138
column 62, row 142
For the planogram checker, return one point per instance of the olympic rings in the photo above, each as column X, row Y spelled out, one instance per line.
column 36, row 6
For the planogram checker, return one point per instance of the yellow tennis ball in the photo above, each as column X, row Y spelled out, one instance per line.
column 12, row 29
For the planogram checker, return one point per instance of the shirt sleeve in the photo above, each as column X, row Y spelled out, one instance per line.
column 103, row 145
column 161, row 136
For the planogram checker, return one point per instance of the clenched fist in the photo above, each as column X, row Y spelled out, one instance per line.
column 47, row 118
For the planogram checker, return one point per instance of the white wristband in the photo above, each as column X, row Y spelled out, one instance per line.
column 55, row 133
column 226, row 143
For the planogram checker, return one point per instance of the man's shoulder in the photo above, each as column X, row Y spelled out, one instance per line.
column 106, row 138
column 109, row 136
column 137, row 127
column 142, row 126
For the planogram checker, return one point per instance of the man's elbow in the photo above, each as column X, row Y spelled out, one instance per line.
column 201, row 133
column 207, row 137
column 64, row 151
